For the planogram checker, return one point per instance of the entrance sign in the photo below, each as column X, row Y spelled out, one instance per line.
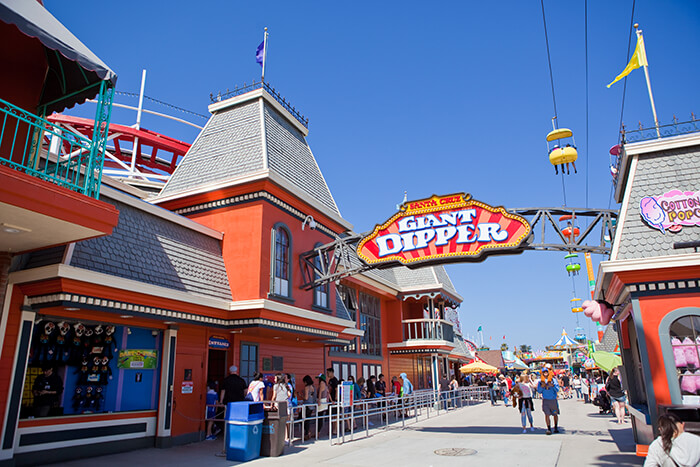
column 444, row 229
column 671, row 211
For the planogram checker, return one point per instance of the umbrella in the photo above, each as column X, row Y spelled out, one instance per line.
column 606, row 360
column 478, row 367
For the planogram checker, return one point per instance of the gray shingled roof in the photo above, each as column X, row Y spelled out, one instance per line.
column 150, row 249
column 657, row 174
column 231, row 146
column 610, row 340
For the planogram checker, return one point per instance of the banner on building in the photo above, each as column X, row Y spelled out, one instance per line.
column 137, row 359
column 671, row 211
column 443, row 229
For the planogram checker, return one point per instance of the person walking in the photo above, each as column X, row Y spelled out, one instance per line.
column 47, row 388
column 617, row 394
column 548, row 388
column 525, row 406
column 576, row 384
column 444, row 387
column 406, row 390
column 323, row 400
column 585, row 389
column 674, row 447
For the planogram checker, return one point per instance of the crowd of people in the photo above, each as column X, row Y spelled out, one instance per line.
column 317, row 396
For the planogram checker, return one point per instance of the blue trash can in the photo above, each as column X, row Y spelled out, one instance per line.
column 244, row 430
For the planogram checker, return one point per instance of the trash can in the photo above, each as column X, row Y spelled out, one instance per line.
column 244, row 424
column 273, row 431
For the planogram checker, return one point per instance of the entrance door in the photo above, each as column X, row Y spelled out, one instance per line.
column 188, row 402
column 216, row 367
column 249, row 361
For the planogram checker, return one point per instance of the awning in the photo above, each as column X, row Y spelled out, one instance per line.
column 75, row 70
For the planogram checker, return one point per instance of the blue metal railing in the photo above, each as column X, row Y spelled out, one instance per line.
column 31, row 144
column 272, row 91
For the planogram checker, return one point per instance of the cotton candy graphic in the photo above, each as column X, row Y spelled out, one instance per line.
column 678, row 353
column 688, row 382
column 652, row 213
column 691, row 353
column 598, row 311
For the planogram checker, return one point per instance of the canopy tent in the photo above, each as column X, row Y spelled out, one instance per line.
column 606, row 361
column 478, row 367
column 75, row 73
column 513, row 362
column 564, row 342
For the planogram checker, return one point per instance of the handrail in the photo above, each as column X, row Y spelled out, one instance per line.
column 31, row 144
column 428, row 328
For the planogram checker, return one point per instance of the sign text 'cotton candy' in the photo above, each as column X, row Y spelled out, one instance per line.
column 671, row 211
column 443, row 229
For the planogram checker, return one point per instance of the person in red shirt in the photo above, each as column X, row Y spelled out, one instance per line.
column 396, row 385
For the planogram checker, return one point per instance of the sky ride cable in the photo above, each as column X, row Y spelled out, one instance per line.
column 551, row 82
column 585, row 20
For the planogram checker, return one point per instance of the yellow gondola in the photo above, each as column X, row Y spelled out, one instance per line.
column 562, row 152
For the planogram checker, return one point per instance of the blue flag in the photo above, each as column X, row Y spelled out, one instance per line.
column 260, row 53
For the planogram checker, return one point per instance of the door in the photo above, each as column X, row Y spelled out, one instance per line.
column 188, row 401
column 249, row 361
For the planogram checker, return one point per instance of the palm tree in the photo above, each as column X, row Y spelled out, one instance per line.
column 525, row 348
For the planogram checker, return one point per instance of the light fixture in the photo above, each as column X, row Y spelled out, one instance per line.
column 71, row 308
column 13, row 229
column 168, row 322
column 125, row 316
column 310, row 220
column 236, row 331
column 277, row 337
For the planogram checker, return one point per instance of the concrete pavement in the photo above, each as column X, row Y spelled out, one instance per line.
column 479, row 435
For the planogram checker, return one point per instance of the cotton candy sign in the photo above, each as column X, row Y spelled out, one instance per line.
column 671, row 211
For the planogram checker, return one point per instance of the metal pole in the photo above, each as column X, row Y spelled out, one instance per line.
column 646, row 74
column 264, row 54
column 138, row 125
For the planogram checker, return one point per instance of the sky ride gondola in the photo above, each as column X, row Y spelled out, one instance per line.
column 561, row 148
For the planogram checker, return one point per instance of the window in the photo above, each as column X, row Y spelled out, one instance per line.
column 371, row 343
column 343, row 370
column 281, row 272
column 249, row 361
column 348, row 295
column 320, row 292
column 685, row 342
column 371, row 370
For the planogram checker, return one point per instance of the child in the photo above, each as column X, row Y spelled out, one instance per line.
column 212, row 399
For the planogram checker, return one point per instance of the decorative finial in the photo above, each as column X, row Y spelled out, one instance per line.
column 636, row 25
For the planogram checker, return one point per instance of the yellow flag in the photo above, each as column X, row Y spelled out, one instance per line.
column 639, row 59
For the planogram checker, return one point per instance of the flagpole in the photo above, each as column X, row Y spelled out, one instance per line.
column 646, row 74
column 264, row 54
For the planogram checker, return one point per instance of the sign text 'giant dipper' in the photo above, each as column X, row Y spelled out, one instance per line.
column 444, row 229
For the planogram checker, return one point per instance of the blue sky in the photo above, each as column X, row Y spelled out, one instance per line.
column 428, row 99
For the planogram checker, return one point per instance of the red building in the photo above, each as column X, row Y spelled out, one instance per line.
column 137, row 301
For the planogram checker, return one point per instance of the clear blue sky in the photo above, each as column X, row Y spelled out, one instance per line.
column 426, row 99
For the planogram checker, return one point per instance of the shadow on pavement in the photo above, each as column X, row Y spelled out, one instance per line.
column 619, row 459
column 624, row 438
column 480, row 430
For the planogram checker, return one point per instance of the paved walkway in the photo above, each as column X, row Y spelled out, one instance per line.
column 484, row 435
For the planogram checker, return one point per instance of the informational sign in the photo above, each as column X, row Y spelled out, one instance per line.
column 671, row 211
column 444, row 229
column 137, row 358
column 187, row 387
column 345, row 394
column 217, row 342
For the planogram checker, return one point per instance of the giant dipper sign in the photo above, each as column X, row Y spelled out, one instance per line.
column 444, row 229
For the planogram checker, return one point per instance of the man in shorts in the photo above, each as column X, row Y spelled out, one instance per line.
column 549, row 388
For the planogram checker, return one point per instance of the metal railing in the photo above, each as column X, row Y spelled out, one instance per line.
column 272, row 91
column 433, row 329
column 672, row 129
column 306, row 422
column 31, row 144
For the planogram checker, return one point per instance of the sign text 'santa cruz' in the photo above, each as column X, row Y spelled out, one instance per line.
column 444, row 229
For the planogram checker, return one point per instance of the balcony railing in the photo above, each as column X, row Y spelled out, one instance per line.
column 31, row 144
column 427, row 329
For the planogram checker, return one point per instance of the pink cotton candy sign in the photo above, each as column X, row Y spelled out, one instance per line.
column 671, row 211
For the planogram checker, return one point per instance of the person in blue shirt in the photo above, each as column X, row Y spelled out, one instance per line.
column 212, row 405
column 549, row 388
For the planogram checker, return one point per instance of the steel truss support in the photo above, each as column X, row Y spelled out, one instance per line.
column 338, row 259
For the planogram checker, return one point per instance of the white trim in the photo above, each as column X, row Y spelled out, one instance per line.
column 107, row 280
column 263, row 134
column 663, row 144
column 260, row 92
column 5, row 314
column 426, row 289
column 271, row 305
column 624, row 209
column 354, row 332
column 161, row 431
column 412, row 343
column 150, row 431
column 24, row 317
column 68, row 253
column 170, row 216
column 253, row 177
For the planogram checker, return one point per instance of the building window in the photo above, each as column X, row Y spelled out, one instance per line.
column 281, row 271
column 371, row 343
column 685, row 341
column 320, row 292
column 348, row 296
column 343, row 370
